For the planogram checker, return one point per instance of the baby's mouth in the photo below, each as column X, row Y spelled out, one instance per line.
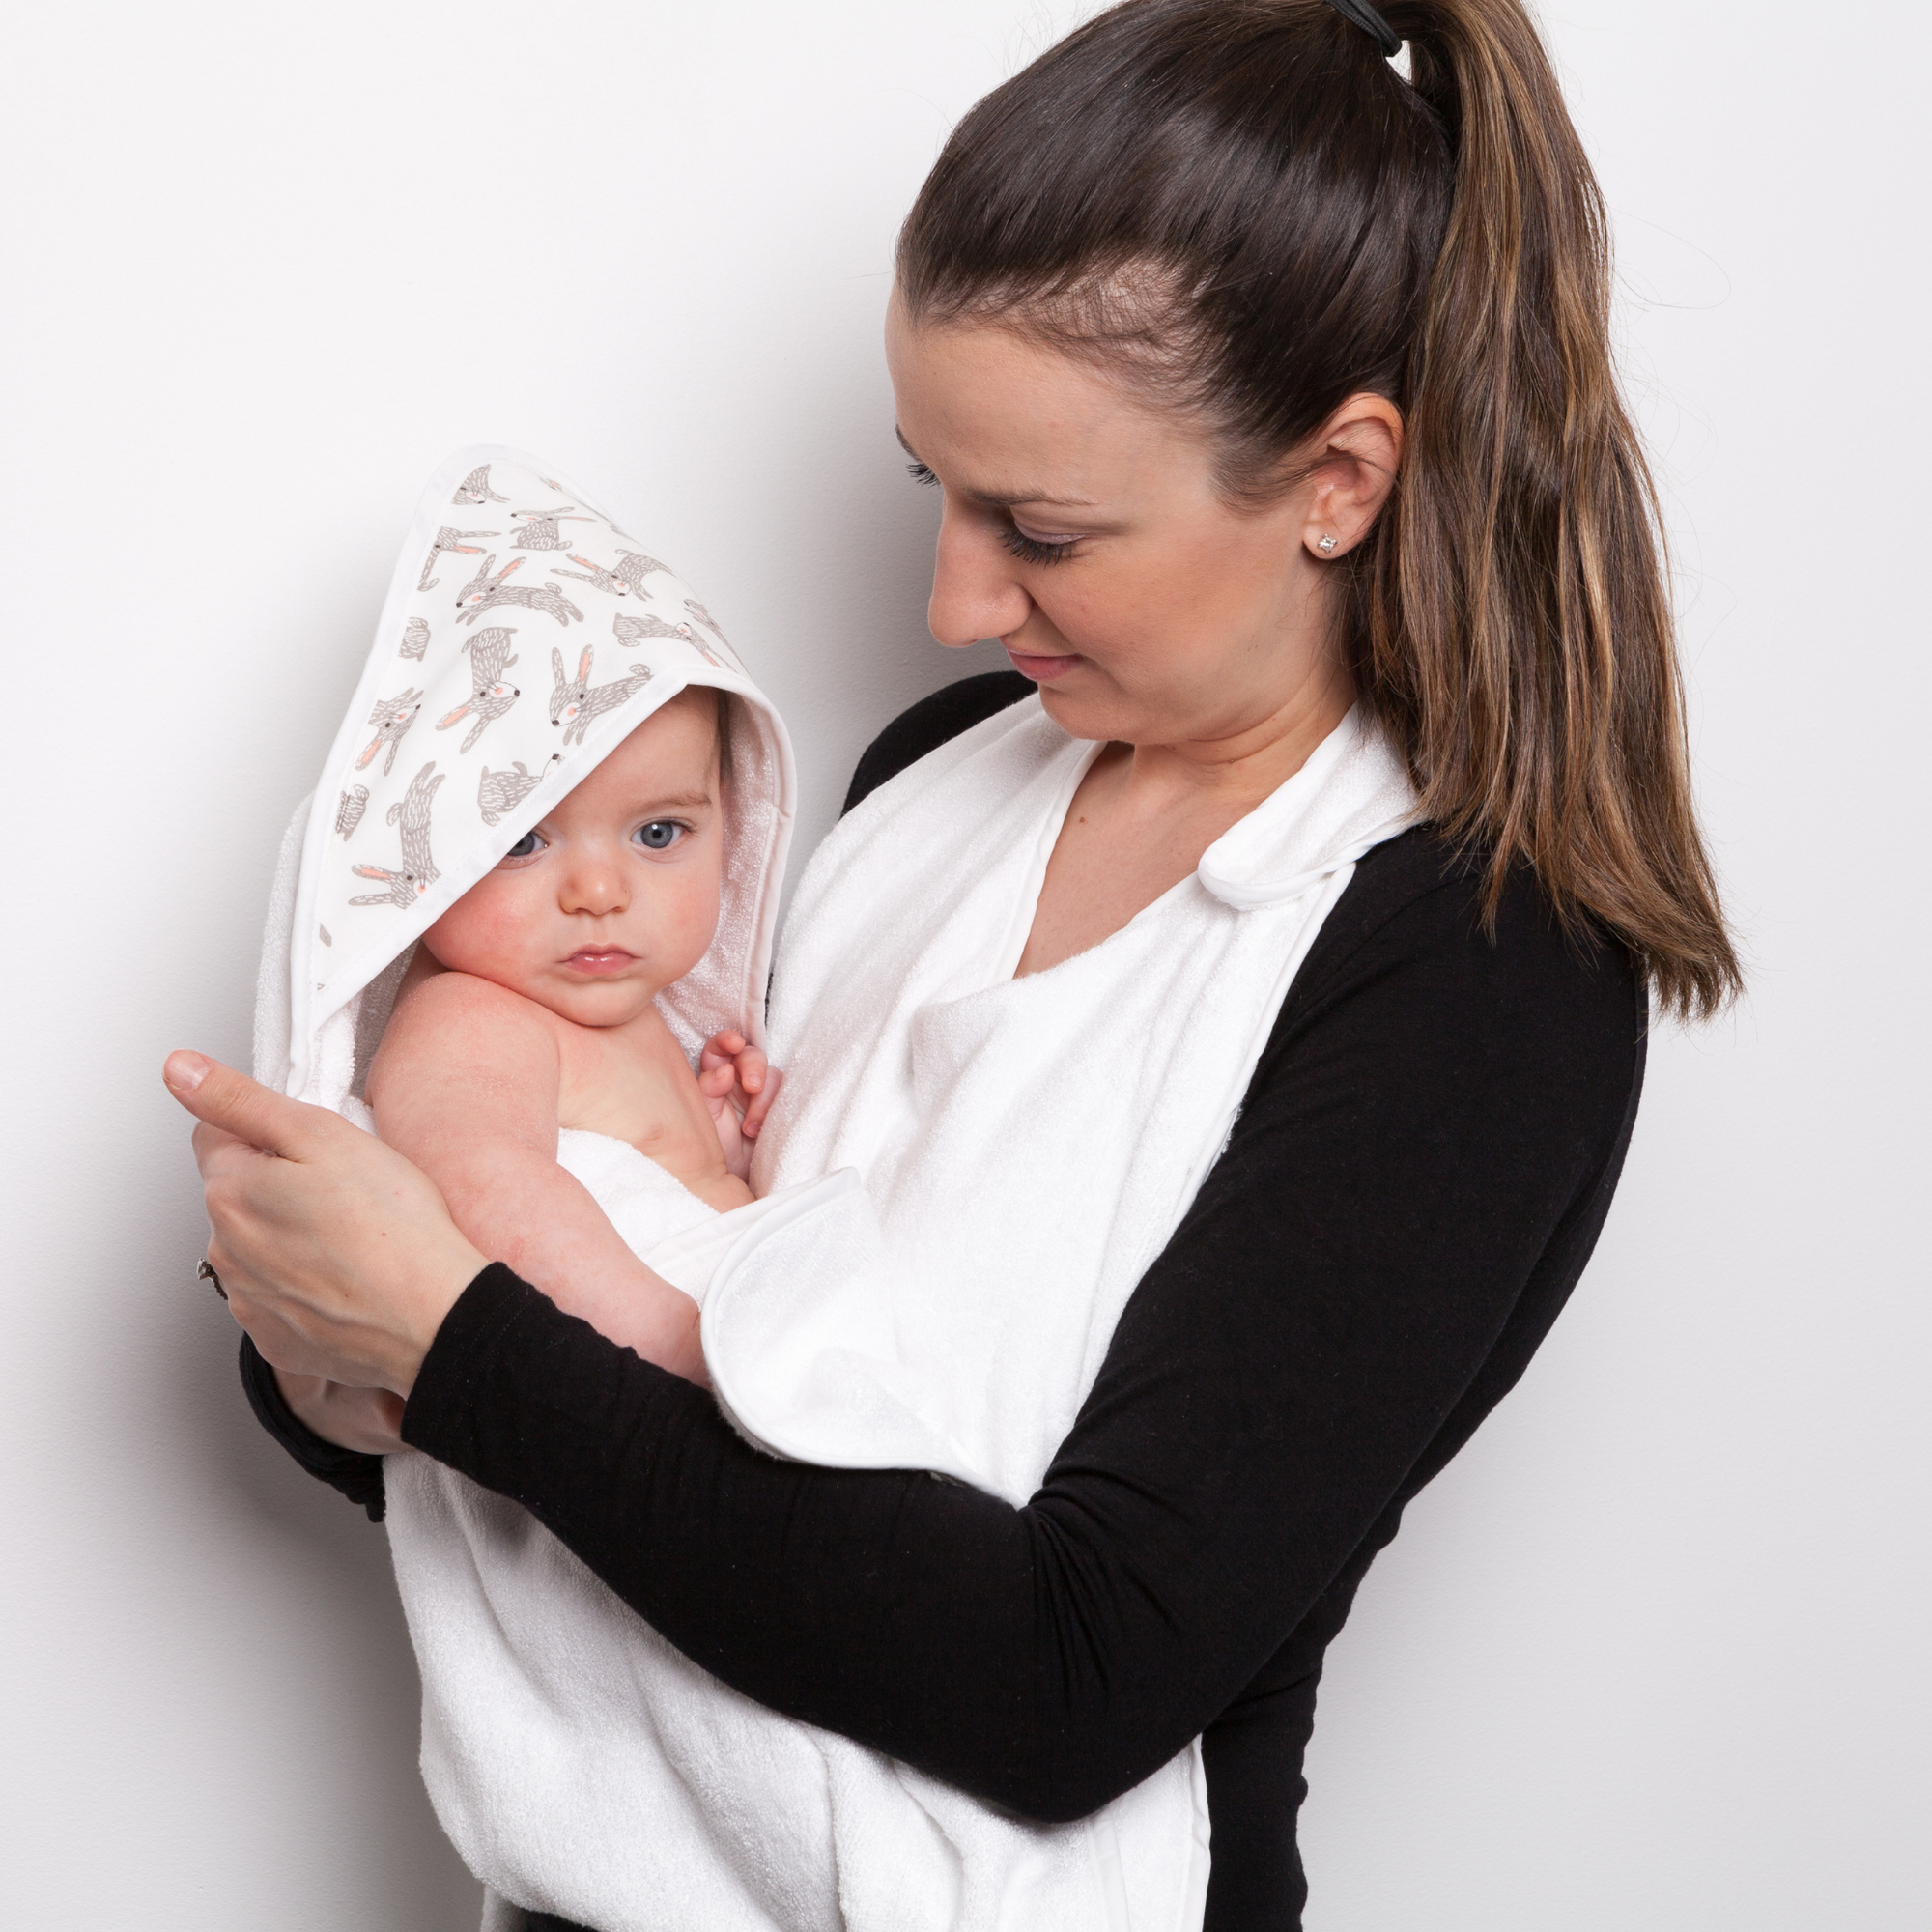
column 599, row 960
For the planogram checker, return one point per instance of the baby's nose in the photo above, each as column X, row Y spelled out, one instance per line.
column 593, row 888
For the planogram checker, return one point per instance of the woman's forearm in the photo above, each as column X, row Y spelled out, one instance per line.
column 1419, row 1173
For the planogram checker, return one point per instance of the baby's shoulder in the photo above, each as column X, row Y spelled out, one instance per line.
column 459, row 1013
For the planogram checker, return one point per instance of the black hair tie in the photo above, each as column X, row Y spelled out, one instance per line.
column 1372, row 23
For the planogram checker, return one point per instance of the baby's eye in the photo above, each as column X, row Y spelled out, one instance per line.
column 525, row 847
column 659, row 834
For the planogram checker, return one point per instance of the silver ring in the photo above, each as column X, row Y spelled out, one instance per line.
column 205, row 1272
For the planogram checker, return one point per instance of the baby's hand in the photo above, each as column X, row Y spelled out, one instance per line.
column 739, row 1087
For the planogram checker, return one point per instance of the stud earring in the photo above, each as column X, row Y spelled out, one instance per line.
column 1325, row 545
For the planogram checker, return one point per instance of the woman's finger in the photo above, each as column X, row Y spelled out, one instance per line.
column 243, row 1109
column 338, row 1255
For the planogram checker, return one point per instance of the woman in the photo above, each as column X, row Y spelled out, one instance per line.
column 1266, row 391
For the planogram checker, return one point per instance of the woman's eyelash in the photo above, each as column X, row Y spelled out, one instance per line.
column 1030, row 549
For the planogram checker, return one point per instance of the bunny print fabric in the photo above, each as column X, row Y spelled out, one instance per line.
column 484, row 699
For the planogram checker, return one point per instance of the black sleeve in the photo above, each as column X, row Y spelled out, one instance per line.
column 1423, row 1162
column 357, row 1476
column 930, row 723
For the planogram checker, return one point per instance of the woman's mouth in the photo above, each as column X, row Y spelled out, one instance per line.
column 599, row 960
column 1042, row 670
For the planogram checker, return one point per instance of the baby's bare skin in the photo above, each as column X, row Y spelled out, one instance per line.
column 530, row 1008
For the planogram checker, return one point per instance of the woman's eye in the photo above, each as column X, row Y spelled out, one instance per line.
column 919, row 473
column 660, row 835
column 1035, row 550
column 525, row 847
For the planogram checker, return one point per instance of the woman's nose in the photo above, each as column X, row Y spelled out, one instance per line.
column 592, row 885
column 975, row 592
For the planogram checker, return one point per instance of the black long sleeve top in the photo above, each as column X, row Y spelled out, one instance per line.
column 1419, row 1171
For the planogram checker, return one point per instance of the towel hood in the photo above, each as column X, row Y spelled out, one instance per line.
column 524, row 636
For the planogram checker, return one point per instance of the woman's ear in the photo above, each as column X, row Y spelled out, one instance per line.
column 1358, row 452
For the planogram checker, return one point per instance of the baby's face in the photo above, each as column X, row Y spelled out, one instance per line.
column 615, row 895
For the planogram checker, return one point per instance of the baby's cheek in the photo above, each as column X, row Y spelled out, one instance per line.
column 484, row 932
column 694, row 916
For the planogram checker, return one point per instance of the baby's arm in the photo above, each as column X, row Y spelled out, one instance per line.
column 465, row 1085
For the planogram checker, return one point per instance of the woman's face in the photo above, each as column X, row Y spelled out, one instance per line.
column 1082, row 528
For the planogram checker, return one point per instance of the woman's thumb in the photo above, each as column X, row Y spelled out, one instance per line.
column 224, row 1098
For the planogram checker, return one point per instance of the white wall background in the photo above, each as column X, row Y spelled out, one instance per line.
column 1653, row 1654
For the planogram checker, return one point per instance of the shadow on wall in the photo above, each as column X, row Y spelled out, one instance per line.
column 332, row 1641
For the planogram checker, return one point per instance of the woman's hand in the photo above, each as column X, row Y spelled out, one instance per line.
column 337, row 1255
column 365, row 1419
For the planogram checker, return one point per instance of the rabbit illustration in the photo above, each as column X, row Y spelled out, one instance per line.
column 415, row 637
column 633, row 566
column 573, row 704
column 647, row 624
column 730, row 660
column 484, row 592
column 418, row 871
column 393, row 718
column 539, row 530
column 705, row 618
column 501, row 792
column 489, row 657
column 634, row 630
column 349, row 814
column 449, row 539
column 596, row 574
column 475, row 489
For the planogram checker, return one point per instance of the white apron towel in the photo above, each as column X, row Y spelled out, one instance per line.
column 963, row 1179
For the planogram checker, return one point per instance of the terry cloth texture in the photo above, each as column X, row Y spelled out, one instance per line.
column 1421, row 1166
column 844, row 1326
column 872, row 1320
column 582, row 1765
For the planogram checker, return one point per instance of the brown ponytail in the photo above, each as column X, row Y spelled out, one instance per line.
column 1243, row 201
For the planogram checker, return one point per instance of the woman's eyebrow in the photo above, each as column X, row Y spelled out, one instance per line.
column 1003, row 500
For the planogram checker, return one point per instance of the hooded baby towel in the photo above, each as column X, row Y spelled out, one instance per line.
column 866, row 1311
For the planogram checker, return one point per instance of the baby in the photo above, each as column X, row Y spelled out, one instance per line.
column 529, row 1007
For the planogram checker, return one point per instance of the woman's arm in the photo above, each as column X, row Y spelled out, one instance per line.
column 1421, row 1169
column 306, row 1413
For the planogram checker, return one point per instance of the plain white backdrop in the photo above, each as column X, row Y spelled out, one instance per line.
column 1652, row 1653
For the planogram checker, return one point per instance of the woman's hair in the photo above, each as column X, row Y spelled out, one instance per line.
column 1245, row 206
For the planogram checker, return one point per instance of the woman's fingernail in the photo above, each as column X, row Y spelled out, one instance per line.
column 185, row 1072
